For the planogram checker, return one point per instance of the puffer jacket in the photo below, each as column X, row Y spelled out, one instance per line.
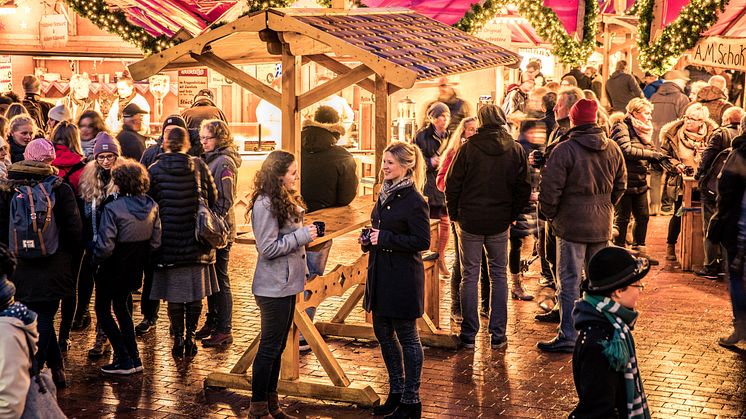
column 581, row 182
column 16, row 150
column 174, row 188
column 429, row 143
column 224, row 163
column 636, row 153
column 18, row 339
column 130, row 227
column 718, row 141
column 669, row 104
column 715, row 101
column 69, row 164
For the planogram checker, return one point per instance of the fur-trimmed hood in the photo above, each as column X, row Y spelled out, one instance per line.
column 317, row 137
column 333, row 128
column 27, row 172
column 616, row 117
column 674, row 126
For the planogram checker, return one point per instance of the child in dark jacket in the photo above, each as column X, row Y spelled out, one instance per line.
column 130, row 228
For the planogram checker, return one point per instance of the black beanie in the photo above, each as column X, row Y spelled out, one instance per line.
column 174, row 120
column 326, row 115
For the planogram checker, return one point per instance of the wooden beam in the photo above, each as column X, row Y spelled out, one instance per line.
column 382, row 121
column 320, row 349
column 333, row 86
column 238, row 76
column 606, row 63
column 339, row 68
column 291, row 65
column 352, row 301
column 303, row 45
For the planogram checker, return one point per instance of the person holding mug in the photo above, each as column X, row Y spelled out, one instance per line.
column 394, row 290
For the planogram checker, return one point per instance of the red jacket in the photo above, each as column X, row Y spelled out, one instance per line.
column 440, row 182
column 66, row 162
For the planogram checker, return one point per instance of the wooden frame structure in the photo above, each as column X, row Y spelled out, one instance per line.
column 394, row 49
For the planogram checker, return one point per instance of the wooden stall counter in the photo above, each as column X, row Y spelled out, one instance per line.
column 692, row 234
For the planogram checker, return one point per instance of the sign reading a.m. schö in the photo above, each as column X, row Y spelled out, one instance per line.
column 720, row 52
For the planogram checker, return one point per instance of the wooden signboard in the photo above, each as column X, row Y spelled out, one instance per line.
column 720, row 52
column 191, row 81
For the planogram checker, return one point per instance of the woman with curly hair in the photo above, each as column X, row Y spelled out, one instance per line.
column 276, row 212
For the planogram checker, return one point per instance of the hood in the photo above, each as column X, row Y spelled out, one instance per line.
column 203, row 102
column 738, row 141
column 228, row 152
column 585, row 314
column 710, row 93
column 590, row 136
column 336, row 129
column 492, row 141
column 669, row 88
column 177, row 164
column 617, row 74
column 65, row 156
column 140, row 206
column 25, row 170
column 617, row 117
column 316, row 138
column 20, row 317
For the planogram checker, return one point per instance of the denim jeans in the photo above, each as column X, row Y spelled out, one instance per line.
column 572, row 259
column 736, row 286
column 637, row 205
column 400, row 344
column 471, row 247
column 220, row 304
column 276, row 318
column 713, row 252
column 48, row 349
column 316, row 262
column 674, row 225
column 484, row 279
column 121, row 335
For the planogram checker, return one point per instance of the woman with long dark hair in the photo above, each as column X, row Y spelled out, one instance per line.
column 90, row 123
column 394, row 290
column 276, row 212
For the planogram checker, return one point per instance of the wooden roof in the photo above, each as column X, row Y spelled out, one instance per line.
column 400, row 45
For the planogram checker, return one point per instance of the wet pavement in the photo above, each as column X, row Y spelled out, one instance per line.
column 685, row 372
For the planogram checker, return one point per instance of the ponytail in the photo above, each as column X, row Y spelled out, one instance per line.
column 410, row 156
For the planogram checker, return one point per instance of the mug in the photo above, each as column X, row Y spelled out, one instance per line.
column 320, row 228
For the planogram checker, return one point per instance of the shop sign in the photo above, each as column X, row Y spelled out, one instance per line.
column 497, row 33
column 53, row 31
column 6, row 74
column 720, row 52
column 191, row 81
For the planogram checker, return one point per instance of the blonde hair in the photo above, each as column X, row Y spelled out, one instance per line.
column 638, row 104
column 454, row 143
column 91, row 185
column 697, row 109
column 409, row 156
column 21, row 120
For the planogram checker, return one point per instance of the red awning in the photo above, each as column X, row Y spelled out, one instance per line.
column 166, row 17
column 731, row 22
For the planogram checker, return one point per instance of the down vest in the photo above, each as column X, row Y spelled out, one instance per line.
column 174, row 188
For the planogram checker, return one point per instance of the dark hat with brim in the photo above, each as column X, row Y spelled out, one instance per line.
column 612, row 268
column 131, row 110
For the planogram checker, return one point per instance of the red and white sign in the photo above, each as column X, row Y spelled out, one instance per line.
column 6, row 74
column 191, row 81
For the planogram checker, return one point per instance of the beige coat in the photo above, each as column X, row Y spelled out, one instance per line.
column 15, row 338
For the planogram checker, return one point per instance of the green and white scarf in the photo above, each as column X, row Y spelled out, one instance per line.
column 620, row 351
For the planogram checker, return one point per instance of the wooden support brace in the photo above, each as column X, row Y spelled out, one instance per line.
column 352, row 301
column 331, row 87
column 339, row 68
column 247, row 358
column 321, row 349
column 238, row 76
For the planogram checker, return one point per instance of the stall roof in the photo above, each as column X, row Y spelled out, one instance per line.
column 731, row 23
column 398, row 44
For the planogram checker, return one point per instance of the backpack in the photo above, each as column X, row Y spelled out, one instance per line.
column 708, row 184
column 33, row 230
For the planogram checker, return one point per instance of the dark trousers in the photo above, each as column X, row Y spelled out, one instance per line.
column 85, row 285
column 674, row 226
column 48, row 349
column 484, row 279
column 149, row 308
column 546, row 267
column 714, row 253
column 736, row 285
column 402, row 354
column 122, row 335
column 70, row 303
column 514, row 254
column 550, row 248
column 276, row 318
column 220, row 304
column 637, row 206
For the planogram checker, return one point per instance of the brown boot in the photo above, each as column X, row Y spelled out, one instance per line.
column 738, row 335
column 671, row 252
column 274, row 408
column 259, row 410
column 517, row 291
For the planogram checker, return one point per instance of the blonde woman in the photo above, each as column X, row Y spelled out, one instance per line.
column 394, row 291
column 21, row 130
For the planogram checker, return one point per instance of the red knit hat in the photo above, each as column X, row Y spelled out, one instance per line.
column 583, row 112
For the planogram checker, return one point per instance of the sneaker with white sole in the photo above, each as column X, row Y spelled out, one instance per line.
column 137, row 365
column 119, row 367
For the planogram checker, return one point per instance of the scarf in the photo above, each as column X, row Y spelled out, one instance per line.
column 643, row 129
column 689, row 142
column 20, row 312
column 620, row 351
column 389, row 187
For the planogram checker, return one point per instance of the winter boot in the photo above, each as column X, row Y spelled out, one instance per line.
column 392, row 402
column 517, row 291
column 259, row 410
column 406, row 411
column 176, row 316
column 273, row 404
column 738, row 335
column 671, row 252
column 193, row 312
column 101, row 346
column 642, row 252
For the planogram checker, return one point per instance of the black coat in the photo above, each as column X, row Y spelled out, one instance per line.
column 731, row 187
column 174, row 188
column 328, row 176
column 601, row 390
column 132, row 143
column 396, row 275
column 488, row 185
column 429, row 143
column 16, row 151
column 49, row 278
column 637, row 155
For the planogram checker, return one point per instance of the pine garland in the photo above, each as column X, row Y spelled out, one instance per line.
column 678, row 37
column 546, row 23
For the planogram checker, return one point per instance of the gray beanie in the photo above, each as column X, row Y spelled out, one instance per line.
column 437, row 109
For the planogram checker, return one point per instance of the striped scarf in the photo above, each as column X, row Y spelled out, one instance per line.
column 620, row 351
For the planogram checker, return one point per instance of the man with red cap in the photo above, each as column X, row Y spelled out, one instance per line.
column 581, row 182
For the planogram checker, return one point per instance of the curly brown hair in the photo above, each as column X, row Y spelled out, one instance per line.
column 284, row 202
column 131, row 178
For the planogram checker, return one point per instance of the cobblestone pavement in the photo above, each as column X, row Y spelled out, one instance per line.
column 686, row 373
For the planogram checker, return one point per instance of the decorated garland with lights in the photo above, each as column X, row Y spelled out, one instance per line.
column 546, row 23
column 679, row 36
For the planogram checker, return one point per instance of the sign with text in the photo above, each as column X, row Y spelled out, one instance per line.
column 6, row 74
column 191, row 81
column 720, row 52
column 53, row 31
column 497, row 33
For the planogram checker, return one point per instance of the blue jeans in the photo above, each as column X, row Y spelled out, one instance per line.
column 276, row 318
column 400, row 344
column 471, row 247
column 736, row 286
column 572, row 259
column 220, row 304
column 316, row 262
column 484, row 279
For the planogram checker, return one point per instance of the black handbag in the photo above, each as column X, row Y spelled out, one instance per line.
column 210, row 229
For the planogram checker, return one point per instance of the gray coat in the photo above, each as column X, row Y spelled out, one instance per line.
column 281, row 267
column 224, row 164
column 669, row 104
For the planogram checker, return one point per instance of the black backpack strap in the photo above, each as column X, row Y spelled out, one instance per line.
column 77, row 166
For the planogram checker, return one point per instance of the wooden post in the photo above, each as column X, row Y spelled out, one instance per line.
column 383, row 121
column 607, row 71
column 289, row 103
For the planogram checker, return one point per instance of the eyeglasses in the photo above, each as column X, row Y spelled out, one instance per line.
column 641, row 287
column 109, row 157
column 690, row 119
column 206, row 138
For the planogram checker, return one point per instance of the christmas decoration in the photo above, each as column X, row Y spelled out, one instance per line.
column 679, row 36
column 546, row 23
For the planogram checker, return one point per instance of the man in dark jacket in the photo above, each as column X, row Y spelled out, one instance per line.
column 130, row 139
column 622, row 87
column 150, row 155
column 36, row 107
column 581, row 182
column 608, row 382
column 583, row 81
column 487, row 187
column 203, row 108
